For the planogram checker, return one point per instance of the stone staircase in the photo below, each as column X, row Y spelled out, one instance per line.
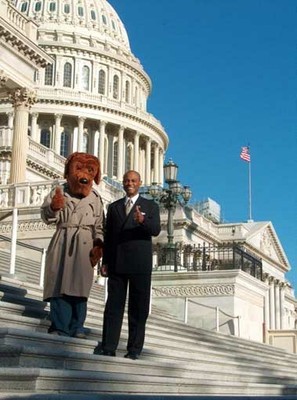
column 177, row 361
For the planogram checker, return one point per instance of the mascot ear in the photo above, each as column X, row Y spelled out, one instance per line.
column 67, row 163
column 97, row 178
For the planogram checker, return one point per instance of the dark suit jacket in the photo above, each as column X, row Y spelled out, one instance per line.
column 128, row 244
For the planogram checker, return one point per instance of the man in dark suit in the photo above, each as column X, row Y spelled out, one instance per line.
column 127, row 260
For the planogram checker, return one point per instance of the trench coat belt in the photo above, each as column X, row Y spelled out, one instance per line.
column 65, row 225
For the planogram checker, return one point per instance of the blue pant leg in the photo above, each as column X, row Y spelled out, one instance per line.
column 60, row 315
column 79, row 314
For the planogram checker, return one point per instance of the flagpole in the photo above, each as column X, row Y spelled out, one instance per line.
column 246, row 156
column 250, row 192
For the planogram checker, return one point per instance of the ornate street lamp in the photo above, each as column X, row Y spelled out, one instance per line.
column 169, row 197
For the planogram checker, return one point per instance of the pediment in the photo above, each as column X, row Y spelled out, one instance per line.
column 263, row 237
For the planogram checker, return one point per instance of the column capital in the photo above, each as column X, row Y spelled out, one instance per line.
column 22, row 97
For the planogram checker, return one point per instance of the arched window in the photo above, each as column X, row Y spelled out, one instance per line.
column 66, row 8
column 80, row 11
column 48, row 75
column 115, row 159
column 115, row 87
column 37, row 6
column 127, row 92
column 24, row 7
column 52, row 6
column 65, row 143
column 113, row 24
column 67, row 75
column 101, row 82
column 104, row 20
column 136, row 96
column 86, row 78
column 93, row 15
column 45, row 137
column 128, row 165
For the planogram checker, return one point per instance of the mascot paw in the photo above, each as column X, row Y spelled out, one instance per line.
column 96, row 253
column 58, row 200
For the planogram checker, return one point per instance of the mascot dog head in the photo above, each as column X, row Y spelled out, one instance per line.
column 81, row 169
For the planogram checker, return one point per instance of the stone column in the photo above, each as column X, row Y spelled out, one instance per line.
column 22, row 100
column 101, row 146
column 271, row 304
column 57, row 136
column 95, row 143
column 136, row 152
column 148, row 162
column 34, row 136
column 282, row 306
column 120, row 160
column 277, row 304
column 80, row 136
column 156, row 164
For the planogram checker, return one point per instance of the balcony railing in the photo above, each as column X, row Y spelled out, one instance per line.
column 191, row 258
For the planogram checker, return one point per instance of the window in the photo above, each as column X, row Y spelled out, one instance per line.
column 52, row 6
column 67, row 75
column 113, row 24
column 85, row 77
column 115, row 159
column 66, row 8
column 45, row 137
column 115, row 91
column 127, row 91
column 24, row 7
column 65, row 142
column 80, row 11
column 136, row 96
column 129, row 158
column 93, row 15
column 101, row 80
column 104, row 20
column 37, row 6
column 48, row 75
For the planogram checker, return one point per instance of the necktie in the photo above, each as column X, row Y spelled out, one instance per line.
column 129, row 205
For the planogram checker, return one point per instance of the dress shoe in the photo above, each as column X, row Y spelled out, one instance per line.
column 80, row 335
column 132, row 356
column 101, row 352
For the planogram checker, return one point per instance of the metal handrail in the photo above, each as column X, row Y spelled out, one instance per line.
column 22, row 244
column 216, row 309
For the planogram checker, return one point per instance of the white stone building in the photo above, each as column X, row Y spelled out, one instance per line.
column 70, row 82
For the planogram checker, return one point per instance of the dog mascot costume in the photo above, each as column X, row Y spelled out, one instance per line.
column 76, row 247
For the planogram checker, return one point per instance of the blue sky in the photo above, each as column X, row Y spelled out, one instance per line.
column 224, row 76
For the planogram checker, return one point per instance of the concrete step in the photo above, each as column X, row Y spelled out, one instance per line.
column 42, row 380
column 177, row 359
column 96, row 396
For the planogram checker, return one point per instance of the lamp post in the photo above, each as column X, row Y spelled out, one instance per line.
column 169, row 197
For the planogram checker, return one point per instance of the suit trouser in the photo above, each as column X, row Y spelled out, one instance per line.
column 138, row 310
column 68, row 314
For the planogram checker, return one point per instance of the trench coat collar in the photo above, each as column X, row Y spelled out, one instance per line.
column 81, row 203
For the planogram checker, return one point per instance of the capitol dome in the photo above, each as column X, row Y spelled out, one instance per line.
column 95, row 20
column 92, row 97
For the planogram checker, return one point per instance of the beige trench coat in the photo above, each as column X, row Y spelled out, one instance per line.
column 68, row 268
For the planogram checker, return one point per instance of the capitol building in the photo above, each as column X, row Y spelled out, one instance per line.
column 69, row 81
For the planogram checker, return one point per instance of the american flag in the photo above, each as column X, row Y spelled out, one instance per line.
column 245, row 154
